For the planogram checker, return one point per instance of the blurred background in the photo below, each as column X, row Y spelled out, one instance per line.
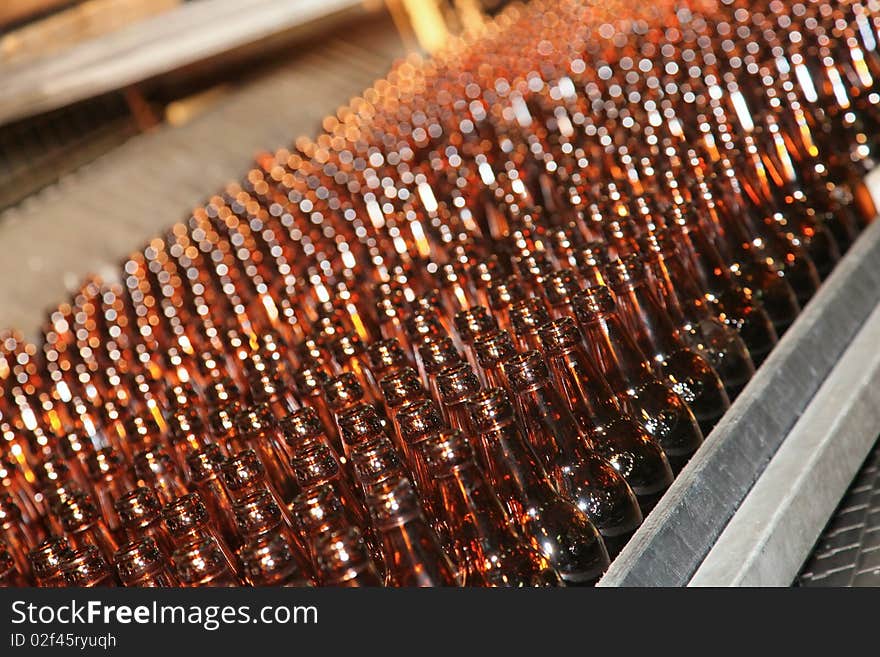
column 117, row 116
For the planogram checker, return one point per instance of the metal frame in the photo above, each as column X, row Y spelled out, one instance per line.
column 682, row 530
column 771, row 534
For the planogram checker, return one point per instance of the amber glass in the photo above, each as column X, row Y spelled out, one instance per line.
column 434, row 356
column 258, row 430
column 187, row 521
column 360, row 424
column 204, row 473
column 577, row 471
column 701, row 330
column 685, row 370
column 157, row 470
column 553, row 525
column 203, row 563
column 141, row 515
column 456, row 385
column 46, row 561
column 83, row 525
column 258, row 514
column 525, row 318
column 270, row 559
column 659, row 409
column 614, row 434
column 411, row 549
column 15, row 534
column 343, row 560
column 9, row 573
column 141, row 563
column 318, row 466
column 491, row 349
column 86, row 567
column 491, row 550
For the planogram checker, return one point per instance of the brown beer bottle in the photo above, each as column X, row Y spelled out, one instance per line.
column 9, row 573
column 46, row 561
column 688, row 373
column 614, row 435
column 270, row 559
column 203, row 563
column 141, row 563
column 344, row 561
column 87, row 567
column 577, row 471
column 658, row 407
column 411, row 550
column 493, row 552
column 555, row 526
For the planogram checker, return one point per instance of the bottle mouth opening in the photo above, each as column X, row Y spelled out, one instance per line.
column 525, row 370
column 559, row 334
column 491, row 408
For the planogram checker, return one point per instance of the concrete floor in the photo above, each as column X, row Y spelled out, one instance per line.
column 91, row 219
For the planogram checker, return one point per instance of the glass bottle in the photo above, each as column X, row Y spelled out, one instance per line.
column 316, row 512
column 657, row 407
column 244, row 474
column 398, row 389
column 141, row 563
column 435, row 355
column 204, row 473
column 203, row 563
column 17, row 536
column 555, row 526
column 701, row 330
column 257, row 430
column 493, row 552
column 140, row 513
column 187, row 521
column 688, row 373
column 411, row 550
column 87, row 567
column 376, row 462
column 46, row 561
column 110, row 480
column 343, row 559
column 83, row 525
column 258, row 514
column 156, row 469
column 456, row 385
column 386, row 357
column 10, row 577
column 270, row 559
column 318, row 466
column 491, row 349
column 577, row 471
column 614, row 435
column 525, row 318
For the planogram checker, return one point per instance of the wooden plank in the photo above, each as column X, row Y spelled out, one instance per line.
column 79, row 23
column 191, row 33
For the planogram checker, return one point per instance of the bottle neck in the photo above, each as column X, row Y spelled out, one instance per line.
column 585, row 390
column 654, row 331
column 413, row 555
column 474, row 512
column 622, row 362
column 514, row 470
column 551, row 429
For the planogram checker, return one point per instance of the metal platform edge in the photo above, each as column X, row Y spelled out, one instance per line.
column 771, row 534
column 678, row 534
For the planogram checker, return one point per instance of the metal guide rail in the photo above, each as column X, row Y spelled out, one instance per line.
column 671, row 546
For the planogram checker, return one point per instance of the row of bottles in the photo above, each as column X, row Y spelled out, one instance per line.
column 468, row 335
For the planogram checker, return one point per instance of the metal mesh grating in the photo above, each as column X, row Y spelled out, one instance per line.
column 848, row 551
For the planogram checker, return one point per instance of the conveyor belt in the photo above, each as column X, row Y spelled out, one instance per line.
column 848, row 552
column 101, row 212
